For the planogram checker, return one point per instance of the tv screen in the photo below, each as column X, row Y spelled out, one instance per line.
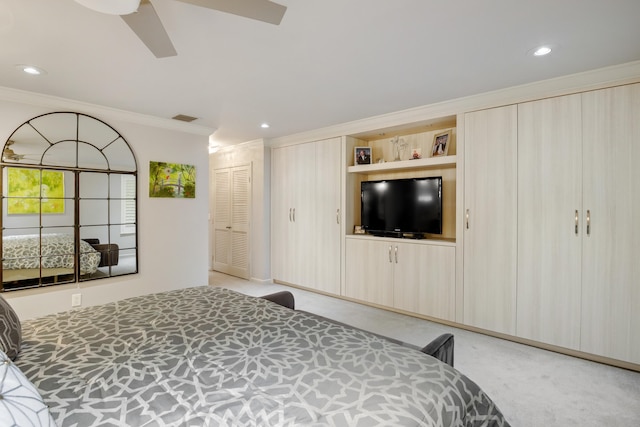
column 402, row 206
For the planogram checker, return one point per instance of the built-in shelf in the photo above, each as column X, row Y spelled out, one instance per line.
column 405, row 165
column 430, row 240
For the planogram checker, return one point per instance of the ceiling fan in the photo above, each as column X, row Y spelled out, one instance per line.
column 9, row 155
column 142, row 18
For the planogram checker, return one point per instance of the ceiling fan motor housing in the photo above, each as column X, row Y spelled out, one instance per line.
column 111, row 7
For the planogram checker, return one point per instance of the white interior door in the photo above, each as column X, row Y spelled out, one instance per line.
column 232, row 207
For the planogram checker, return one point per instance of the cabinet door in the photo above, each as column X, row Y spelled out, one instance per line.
column 369, row 271
column 281, row 214
column 327, row 228
column 490, row 234
column 611, row 271
column 424, row 279
column 302, row 180
column 549, row 220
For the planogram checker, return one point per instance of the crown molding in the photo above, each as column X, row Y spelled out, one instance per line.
column 443, row 111
column 102, row 112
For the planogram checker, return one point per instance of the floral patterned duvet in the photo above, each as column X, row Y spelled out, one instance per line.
column 209, row 356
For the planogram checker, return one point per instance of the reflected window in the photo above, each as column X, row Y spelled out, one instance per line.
column 69, row 203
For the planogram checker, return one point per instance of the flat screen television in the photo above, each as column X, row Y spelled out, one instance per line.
column 402, row 207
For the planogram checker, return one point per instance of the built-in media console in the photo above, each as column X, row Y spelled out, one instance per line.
column 407, row 208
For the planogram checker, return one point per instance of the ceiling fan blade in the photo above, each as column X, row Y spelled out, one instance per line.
column 260, row 10
column 148, row 27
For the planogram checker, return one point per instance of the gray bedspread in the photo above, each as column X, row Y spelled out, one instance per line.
column 209, row 356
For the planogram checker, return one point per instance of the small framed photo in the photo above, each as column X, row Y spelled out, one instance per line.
column 362, row 155
column 357, row 229
column 441, row 144
column 416, row 153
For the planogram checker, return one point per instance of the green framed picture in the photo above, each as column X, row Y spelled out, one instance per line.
column 172, row 180
column 29, row 190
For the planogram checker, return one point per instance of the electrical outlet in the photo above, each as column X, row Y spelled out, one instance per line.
column 76, row 300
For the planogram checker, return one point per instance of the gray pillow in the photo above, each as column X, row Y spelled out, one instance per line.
column 10, row 330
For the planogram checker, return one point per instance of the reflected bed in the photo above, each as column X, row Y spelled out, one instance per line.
column 22, row 258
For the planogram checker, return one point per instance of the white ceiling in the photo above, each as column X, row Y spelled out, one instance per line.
column 328, row 62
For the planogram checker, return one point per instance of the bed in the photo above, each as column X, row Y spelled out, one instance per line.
column 208, row 356
column 22, row 258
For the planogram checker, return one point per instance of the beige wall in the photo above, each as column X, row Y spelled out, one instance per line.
column 173, row 250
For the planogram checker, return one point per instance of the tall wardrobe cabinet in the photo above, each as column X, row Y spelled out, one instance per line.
column 552, row 231
column 490, row 219
column 611, row 235
column 550, row 220
column 306, row 181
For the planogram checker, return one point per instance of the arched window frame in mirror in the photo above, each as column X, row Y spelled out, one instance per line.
column 89, row 172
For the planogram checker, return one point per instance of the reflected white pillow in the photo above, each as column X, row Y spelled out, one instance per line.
column 20, row 403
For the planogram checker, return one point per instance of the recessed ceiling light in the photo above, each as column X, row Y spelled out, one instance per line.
column 542, row 51
column 265, row 126
column 31, row 69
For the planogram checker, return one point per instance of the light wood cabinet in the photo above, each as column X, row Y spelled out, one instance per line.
column 549, row 241
column 490, row 223
column 571, row 236
column 327, row 231
column 369, row 271
column 306, row 194
column 417, row 277
column 550, row 220
column 293, row 182
column 424, row 279
column 610, row 322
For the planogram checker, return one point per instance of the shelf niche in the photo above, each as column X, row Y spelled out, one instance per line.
column 420, row 136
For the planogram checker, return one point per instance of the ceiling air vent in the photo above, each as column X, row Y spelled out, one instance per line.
column 184, row 118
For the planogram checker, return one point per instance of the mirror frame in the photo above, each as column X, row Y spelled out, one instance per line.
column 86, row 148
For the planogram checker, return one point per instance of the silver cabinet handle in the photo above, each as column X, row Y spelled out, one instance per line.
column 576, row 222
column 389, row 253
column 396, row 253
column 289, row 214
column 228, row 227
column 588, row 222
column 338, row 216
column 467, row 218
column 294, row 214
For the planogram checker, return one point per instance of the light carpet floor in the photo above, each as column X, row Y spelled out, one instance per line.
column 532, row 387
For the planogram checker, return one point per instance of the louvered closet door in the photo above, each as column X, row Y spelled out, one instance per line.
column 232, row 188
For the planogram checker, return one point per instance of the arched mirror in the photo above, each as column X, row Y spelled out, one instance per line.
column 69, row 202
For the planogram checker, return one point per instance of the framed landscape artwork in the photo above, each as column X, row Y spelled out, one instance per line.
column 172, row 180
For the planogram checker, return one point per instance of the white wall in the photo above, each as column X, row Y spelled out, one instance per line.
column 172, row 240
